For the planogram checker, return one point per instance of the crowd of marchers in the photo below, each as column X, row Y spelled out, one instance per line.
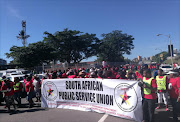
column 155, row 84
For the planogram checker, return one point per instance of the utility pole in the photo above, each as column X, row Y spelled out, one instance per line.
column 170, row 49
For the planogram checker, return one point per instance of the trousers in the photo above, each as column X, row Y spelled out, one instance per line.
column 148, row 109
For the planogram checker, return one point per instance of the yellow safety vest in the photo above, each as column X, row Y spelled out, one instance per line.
column 126, row 72
column 15, row 86
column 161, row 83
column 147, row 91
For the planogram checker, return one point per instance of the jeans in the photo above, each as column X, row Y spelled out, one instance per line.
column 148, row 109
column 175, row 108
column 1, row 97
column 17, row 97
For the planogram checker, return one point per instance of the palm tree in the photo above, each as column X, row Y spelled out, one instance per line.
column 23, row 37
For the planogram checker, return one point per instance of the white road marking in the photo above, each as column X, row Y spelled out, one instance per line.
column 103, row 118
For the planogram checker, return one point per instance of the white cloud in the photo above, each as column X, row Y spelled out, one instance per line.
column 14, row 12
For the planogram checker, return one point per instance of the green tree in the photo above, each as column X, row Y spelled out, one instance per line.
column 72, row 45
column 32, row 55
column 159, row 59
column 114, row 45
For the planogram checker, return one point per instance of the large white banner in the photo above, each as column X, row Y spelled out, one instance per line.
column 115, row 97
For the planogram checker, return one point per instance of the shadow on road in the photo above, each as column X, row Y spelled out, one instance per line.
column 24, row 108
column 164, row 116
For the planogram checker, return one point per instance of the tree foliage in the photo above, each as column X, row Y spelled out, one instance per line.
column 32, row 55
column 72, row 45
column 159, row 59
column 114, row 45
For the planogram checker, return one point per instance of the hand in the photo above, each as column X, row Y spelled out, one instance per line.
column 8, row 89
column 144, row 85
column 178, row 99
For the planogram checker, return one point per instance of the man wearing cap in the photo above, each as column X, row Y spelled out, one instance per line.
column 174, row 92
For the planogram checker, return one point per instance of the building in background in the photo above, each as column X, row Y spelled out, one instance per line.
column 151, row 58
column 139, row 58
column 3, row 62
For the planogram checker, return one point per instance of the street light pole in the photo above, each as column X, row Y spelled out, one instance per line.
column 170, row 49
column 170, row 46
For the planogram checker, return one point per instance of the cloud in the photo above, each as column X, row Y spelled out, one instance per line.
column 14, row 12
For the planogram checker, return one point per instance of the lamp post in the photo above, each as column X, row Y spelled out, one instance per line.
column 170, row 46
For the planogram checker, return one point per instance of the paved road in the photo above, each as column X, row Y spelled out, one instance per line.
column 38, row 114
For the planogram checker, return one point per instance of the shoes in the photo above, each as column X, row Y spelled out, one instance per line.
column 167, row 109
column 158, row 107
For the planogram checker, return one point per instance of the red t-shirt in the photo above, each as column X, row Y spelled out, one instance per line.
column 29, row 85
column 167, row 81
column 71, row 76
column 117, row 76
column 41, row 80
column 153, row 94
column 174, row 92
column 139, row 76
column 4, row 87
column 25, row 81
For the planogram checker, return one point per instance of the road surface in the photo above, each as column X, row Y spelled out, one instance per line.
column 38, row 114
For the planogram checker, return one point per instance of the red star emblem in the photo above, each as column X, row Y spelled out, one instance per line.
column 125, row 98
column 50, row 92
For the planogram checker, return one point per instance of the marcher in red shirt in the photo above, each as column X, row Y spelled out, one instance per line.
column 7, row 88
column 30, row 91
column 100, row 74
column 149, row 85
column 71, row 74
column 174, row 92
column 82, row 74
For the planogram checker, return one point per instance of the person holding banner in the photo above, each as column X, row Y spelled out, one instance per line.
column 149, row 86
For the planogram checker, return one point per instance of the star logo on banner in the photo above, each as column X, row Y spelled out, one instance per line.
column 125, row 98
column 50, row 92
